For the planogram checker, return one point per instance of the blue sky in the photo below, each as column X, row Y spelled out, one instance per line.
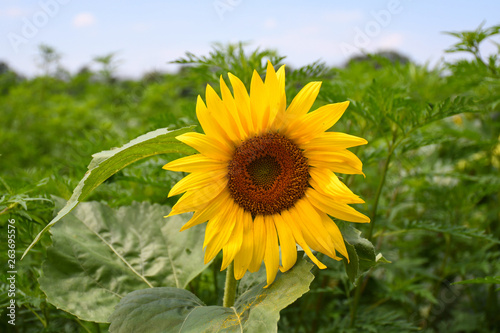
column 147, row 35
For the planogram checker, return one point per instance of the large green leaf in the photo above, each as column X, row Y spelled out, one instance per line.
column 175, row 310
column 107, row 163
column 99, row 255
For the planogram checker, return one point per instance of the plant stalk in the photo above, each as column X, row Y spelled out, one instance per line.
column 230, row 287
column 360, row 283
column 378, row 193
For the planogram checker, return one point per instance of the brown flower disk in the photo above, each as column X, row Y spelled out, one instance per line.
column 268, row 174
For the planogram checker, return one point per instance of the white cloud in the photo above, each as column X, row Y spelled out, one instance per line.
column 390, row 41
column 270, row 23
column 84, row 20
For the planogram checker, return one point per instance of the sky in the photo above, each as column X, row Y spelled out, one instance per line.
column 147, row 35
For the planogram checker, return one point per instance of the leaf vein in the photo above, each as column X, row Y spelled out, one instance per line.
column 185, row 319
column 89, row 275
column 120, row 257
column 239, row 318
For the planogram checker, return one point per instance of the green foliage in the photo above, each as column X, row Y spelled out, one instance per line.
column 431, row 187
column 256, row 309
column 99, row 255
column 361, row 252
column 109, row 65
column 107, row 163
column 470, row 42
column 486, row 279
column 231, row 58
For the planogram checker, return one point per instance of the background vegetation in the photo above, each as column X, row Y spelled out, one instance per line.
column 432, row 178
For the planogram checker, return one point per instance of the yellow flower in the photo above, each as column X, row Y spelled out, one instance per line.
column 264, row 178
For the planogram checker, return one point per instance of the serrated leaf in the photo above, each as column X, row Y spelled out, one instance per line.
column 351, row 267
column 486, row 279
column 107, row 163
column 100, row 254
column 360, row 250
column 461, row 231
column 250, row 280
column 175, row 310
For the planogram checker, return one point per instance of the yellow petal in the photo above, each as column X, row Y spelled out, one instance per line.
column 276, row 91
column 230, row 103
column 196, row 199
column 259, row 243
column 342, row 161
column 281, row 80
column 207, row 146
column 342, row 155
column 333, row 140
column 244, row 256
column 326, row 182
column 291, row 220
column 220, row 231
column 195, row 163
column 198, row 180
column 315, row 234
column 272, row 255
column 308, row 126
column 259, row 103
column 242, row 102
column 302, row 103
column 299, row 107
column 210, row 210
column 335, row 235
column 210, row 126
column 287, row 243
column 336, row 209
column 235, row 242
column 221, row 115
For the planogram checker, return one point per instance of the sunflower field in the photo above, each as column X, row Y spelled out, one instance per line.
column 83, row 194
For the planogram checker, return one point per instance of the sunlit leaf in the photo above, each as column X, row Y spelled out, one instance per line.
column 176, row 310
column 107, row 163
column 100, row 254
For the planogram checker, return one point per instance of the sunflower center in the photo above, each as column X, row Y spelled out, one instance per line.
column 264, row 171
column 268, row 174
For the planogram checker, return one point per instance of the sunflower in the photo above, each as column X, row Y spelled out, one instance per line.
column 264, row 178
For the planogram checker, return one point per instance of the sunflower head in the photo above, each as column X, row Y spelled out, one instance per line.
column 264, row 177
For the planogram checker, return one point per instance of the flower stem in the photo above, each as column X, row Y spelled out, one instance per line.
column 357, row 295
column 230, row 287
column 361, row 281
column 378, row 193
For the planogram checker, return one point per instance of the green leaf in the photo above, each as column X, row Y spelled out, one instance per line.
column 175, row 310
column 361, row 252
column 379, row 259
column 460, row 231
column 486, row 279
column 351, row 267
column 100, row 254
column 108, row 162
